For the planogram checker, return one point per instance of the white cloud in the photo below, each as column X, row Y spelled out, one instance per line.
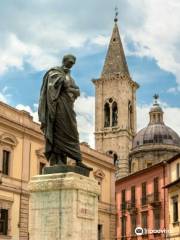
column 158, row 35
column 142, row 116
column 101, row 40
column 5, row 96
column 173, row 90
column 39, row 32
column 11, row 53
column 169, row 120
column 33, row 112
column 85, row 106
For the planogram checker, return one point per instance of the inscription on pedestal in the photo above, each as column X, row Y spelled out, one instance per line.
column 86, row 205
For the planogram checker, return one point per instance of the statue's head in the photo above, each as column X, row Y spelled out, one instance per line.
column 68, row 61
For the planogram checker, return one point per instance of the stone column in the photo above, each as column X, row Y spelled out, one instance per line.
column 63, row 206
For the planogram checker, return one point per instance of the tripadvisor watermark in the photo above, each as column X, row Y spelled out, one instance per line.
column 144, row 231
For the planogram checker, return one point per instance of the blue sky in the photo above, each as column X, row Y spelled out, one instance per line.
column 35, row 35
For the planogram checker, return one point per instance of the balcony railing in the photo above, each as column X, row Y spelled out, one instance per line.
column 130, row 205
column 154, row 198
column 144, row 201
column 123, row 206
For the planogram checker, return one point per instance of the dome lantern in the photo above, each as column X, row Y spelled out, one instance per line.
column 156, row 112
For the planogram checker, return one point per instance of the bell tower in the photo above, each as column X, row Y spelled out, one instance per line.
column 115, row 106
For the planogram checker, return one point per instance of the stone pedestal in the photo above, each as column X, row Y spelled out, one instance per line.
column 63, row 207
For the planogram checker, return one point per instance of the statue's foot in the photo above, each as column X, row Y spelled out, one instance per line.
column 80, row 164
column 52, row 160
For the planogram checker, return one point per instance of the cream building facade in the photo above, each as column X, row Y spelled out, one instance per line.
column 20, row 140
column 21, row 157
column 174, row 197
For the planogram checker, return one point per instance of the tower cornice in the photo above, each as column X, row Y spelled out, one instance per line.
column 115, row 77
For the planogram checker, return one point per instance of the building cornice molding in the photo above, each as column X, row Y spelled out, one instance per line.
column 96, row 156
column 113, row 130
column 142, row 171
column 21, row 128
column 98, row 162
column 174, row 183
column 155, row 147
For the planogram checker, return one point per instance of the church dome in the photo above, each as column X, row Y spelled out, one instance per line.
column 156, row 132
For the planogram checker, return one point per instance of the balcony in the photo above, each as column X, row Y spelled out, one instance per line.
column 131, row 206
column 144, row 201
column 123, row 207
column 154, row 199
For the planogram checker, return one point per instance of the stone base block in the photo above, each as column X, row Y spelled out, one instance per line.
column 66, row 169
column 63, row 207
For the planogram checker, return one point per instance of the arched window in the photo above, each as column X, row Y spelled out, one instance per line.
column 106, row 115
column 114, row 114
column 134, row 167
column 113, row 155
column 130, row 115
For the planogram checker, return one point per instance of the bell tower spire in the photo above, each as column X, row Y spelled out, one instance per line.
column 115, row 105
column 115, row 61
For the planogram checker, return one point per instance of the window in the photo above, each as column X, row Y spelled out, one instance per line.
column 178, row 170
column 123, row 226
column 156, row 189
column 3, row 222
column 133, row 224
column 144, row 197
column 41, row 167
column 144, row 220
column 134, row 166
column 113, row 155
column 6, row 160
column 106, row 115
column 99, row 176
column 110, row 113
column 156, row 219
column 175, row 209
column 133, row 196
column 100, row 231
column 114, row 114
column 100, row 184
column 123, row 199
column 130, row 115
column 149, row 164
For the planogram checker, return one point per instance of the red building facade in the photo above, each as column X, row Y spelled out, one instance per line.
column 142, row 202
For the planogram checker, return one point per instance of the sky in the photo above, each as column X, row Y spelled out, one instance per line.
column 36, row 34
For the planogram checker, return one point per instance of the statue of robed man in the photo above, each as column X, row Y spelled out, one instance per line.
column 57, row 115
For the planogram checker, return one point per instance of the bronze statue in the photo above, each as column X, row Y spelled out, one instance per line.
column 57, row 116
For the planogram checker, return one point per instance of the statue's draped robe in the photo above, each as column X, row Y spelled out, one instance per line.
column 57, row 116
